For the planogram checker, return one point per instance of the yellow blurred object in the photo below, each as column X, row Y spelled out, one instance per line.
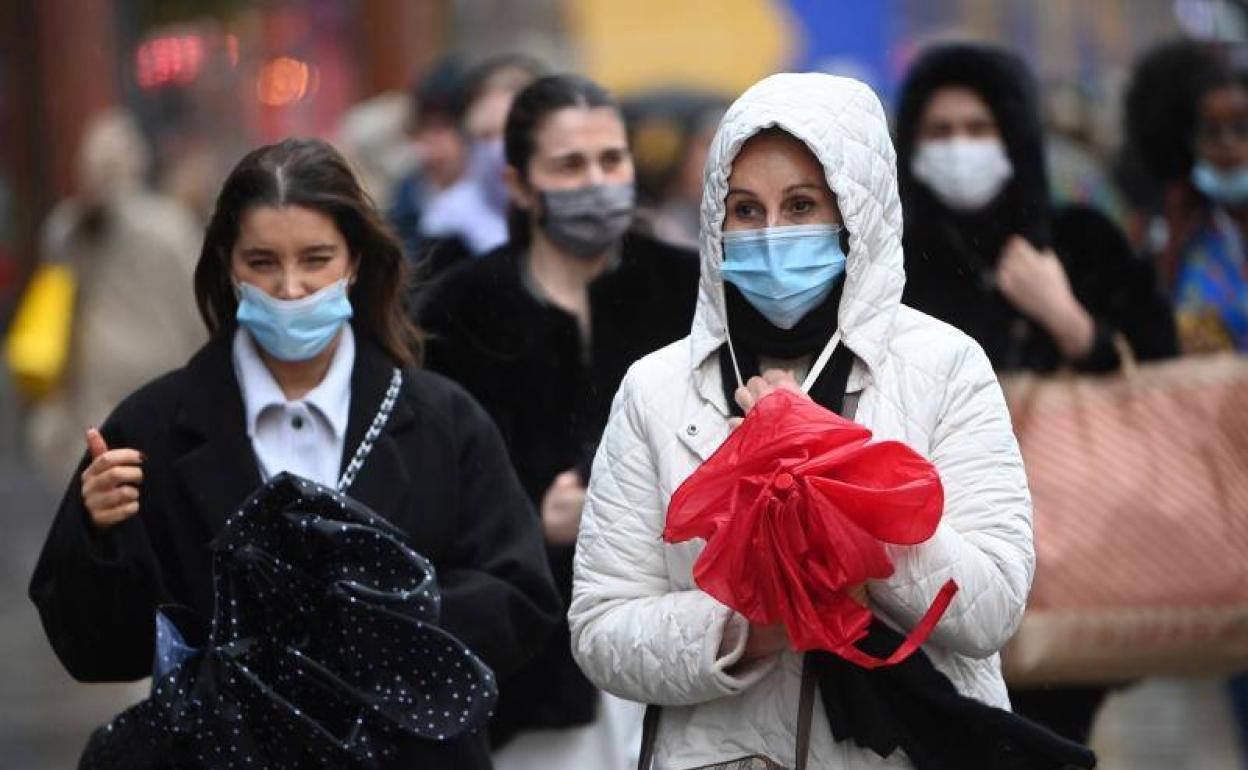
column 37, row 347
column 723, row 46
column 657, row 143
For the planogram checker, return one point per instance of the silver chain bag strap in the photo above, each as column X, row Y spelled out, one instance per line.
column 374, row 431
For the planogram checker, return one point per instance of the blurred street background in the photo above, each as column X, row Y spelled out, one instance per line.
column 190, row 85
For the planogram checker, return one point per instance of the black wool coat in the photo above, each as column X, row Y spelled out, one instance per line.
column 551, row 394
column 1118, row 289
column 439, row 472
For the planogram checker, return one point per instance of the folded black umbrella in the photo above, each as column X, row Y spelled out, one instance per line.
column 323, row 651
column 914, row 707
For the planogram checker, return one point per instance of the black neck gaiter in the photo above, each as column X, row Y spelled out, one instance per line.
column 753, row 336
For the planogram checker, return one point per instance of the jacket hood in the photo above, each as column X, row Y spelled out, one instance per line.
column 1003, row 81
column 843, row 123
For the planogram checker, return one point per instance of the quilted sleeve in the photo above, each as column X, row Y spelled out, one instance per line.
column 633, row 635
column 984, row 541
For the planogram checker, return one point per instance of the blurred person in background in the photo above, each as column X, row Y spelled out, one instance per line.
column 441, row 152
column 372, row 136
column 670, row 133
column 133, row 253
column 1039, row 288
column 1187, row 121
column 1187, row 115
column 1075, row 158
column 301, row 289
column 468, row 217
column 541, row 331
column 471, row 216
column 192, row 176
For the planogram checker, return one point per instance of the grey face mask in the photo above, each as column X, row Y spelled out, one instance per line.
column 585, row 221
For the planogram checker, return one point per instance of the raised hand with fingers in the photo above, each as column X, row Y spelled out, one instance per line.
column 110, row 484
column 753, row 391
column 1036, row 284
column 561, row 508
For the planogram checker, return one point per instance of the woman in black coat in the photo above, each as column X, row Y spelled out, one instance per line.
column 1039, row 289
column 180, row 455
column 542, row 331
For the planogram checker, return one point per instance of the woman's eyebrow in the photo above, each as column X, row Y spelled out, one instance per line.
column 741, row 191
column 801, row 186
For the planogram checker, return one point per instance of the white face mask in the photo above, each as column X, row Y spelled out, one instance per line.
column 965, row 174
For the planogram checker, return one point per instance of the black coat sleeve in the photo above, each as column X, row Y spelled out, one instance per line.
column 497, row 592
column 1118, row 288
column 96, row 589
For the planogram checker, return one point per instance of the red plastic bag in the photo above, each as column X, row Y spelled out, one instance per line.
column 796, row 506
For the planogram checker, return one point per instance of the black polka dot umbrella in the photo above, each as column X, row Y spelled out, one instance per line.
column 323, row 651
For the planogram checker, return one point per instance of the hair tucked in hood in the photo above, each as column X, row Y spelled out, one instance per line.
column 1004, row 82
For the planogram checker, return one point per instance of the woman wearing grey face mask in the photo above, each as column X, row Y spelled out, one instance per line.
column 541, row 332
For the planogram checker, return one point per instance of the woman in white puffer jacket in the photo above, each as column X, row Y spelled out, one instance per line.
column 641, row 629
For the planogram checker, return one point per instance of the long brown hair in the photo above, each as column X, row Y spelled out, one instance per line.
column 310, row 173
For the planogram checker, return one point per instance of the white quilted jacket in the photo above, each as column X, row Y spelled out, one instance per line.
column 641, row 629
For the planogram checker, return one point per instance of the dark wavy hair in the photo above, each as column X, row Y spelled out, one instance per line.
column 1162, row 105
column 310, row 173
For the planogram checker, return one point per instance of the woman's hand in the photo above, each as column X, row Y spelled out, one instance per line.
column 761, row 642
column 561, row 508
column 110, row 484
column 760, row 387
column 764, row 641
column 1035, row 283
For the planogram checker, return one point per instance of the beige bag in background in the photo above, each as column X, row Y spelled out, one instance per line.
column 1140, row 487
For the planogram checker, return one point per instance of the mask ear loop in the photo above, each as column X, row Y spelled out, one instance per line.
column 732, row 353
column 723, row 302
column 816, row 369
column 821, row 362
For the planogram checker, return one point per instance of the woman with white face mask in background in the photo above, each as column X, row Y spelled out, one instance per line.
column 1038, row 288
column 1187, row 116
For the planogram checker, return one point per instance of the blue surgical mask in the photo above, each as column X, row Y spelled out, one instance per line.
column 1229, row 187
column 294, row 329
column 784, row 272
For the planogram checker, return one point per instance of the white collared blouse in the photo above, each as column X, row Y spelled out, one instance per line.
column 306, row 436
